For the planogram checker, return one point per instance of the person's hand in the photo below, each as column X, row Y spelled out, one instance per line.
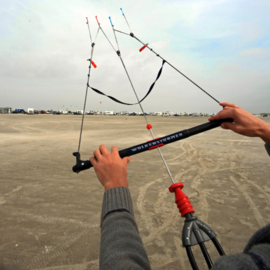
column 244, row 122
column 111, row 170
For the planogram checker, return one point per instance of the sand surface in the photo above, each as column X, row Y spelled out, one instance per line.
column 50, row 216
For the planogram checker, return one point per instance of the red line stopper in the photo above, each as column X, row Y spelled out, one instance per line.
column 181, row 199
column 142, row 48
column 94, row 65
column 87, row 21
column 97, row 20
column 149, row 126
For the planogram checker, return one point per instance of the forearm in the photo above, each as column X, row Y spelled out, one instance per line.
column 121, row 246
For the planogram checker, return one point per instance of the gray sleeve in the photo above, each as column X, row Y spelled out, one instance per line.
column 255, row 259
column 121, row 246
column 267, row 147
column 256, row 254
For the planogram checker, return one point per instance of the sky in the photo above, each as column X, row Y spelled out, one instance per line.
column 222, row 45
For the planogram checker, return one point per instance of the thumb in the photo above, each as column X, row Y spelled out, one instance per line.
column 93, row 161
column 127, row 159
column 228, row 125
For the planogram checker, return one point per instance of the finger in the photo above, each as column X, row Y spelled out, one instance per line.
column 103, row 149
column 114, row 150
column 127, row 159
column 227, row 104
column 97, row 154
column 222, row 115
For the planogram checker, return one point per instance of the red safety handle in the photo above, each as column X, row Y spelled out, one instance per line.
column 94, row 65
column 87, row 21
column 142, row 48
column 181, row 199
column 97, row 20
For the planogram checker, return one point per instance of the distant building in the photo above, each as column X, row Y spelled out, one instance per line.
column 108, row 113
column 30, row 110
column 5, row 110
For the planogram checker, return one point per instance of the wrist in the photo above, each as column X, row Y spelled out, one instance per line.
column 113, row 184
column 264, row 133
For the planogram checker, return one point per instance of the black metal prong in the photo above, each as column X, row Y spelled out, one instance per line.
column 191, row 258
column 206, row 255
column 218, row 246
column 196, row 232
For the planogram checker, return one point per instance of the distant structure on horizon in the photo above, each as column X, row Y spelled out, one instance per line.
column 5, row 110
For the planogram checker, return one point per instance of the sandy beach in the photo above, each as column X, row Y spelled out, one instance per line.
column 50, row 216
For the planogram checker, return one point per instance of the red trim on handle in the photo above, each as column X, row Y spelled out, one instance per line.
column 142, row 48
column 94, row 65
column 181, row 199
column 87, row 20
column 97, row 20
column 156, row 146
column 154, row 139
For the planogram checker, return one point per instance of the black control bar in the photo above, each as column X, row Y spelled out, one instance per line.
column 180, row 135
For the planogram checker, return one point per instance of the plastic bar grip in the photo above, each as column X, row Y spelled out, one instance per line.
column 122, row 11
column 97, row 20
column 93, row 63
column 87, row 20
column 180, row 135
column 111, row 21
column 181, row 199
column 142, row 48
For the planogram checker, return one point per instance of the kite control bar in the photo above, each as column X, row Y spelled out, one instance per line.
column 180, row 135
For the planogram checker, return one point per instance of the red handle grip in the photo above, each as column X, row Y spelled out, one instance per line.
column 87, row 20
column 181, row 199
column 97, row 20
column 142, row 48
column 94, row 65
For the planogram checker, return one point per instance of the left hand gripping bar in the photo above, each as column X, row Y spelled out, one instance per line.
column 180, row 135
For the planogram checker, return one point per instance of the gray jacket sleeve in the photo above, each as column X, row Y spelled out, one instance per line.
column 256, row 254
column 121, row 246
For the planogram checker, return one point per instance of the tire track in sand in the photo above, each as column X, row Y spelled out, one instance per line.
column 164, row 219
column 256, row 213
column 51, row 252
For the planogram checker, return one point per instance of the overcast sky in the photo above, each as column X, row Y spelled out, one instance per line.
column 222, row 45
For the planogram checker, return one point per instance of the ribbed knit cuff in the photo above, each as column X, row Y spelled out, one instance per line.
column 267, row 147
column 116, row 199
